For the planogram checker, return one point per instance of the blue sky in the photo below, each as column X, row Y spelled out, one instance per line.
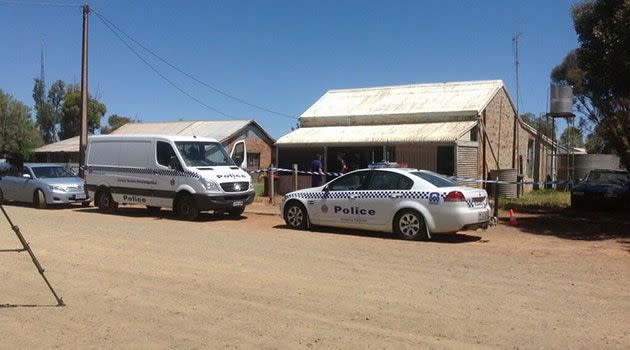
column 283, row 54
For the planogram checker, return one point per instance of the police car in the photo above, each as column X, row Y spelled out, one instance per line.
column 409, row 202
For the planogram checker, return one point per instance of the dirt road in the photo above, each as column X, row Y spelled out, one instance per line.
column 139, row 281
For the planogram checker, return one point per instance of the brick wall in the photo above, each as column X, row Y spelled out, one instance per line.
column 499, row 125
column 256, row 142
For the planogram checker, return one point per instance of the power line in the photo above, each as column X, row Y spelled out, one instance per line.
column 160, row 74
column 8, row 2
column 217, row 90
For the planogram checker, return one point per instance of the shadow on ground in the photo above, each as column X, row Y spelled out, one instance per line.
column 48, row 207
column 435, row 238
column 161, row 215
column 577, row 225
column 10, row 306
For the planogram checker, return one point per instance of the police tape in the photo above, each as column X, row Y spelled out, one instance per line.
column 281, row 170
column 456, row 178
column 502, row 182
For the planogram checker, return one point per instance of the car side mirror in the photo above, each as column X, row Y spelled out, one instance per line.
column 26, row 176
column 326, row 189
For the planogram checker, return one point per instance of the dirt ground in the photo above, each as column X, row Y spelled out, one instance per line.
column 139, row 281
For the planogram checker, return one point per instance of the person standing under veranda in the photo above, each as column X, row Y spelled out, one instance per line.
column 317, row 176
column 343, row 168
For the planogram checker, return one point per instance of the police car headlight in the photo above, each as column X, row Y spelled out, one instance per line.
column 251, row 186
column 210, row 185
column 56, row 188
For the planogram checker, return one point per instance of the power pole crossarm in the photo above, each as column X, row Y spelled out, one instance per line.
column 84, row 92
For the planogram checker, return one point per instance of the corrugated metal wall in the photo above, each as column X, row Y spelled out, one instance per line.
column 418, row 156
column 467, row 161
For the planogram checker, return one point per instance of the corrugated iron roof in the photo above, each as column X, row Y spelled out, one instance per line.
column 397, row 104
column 369, row 134
column 216, row 129
column 220, row 130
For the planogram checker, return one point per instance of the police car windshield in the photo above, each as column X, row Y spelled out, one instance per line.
column 51, row 172
column 434, row 179
column 203, row 154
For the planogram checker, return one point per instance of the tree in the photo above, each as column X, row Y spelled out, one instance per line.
column 596, row 143
column 540, row 124
column 18, row 131
column 599, row 70
column 48, row 110
column 572, row 137
column 71, row 113
column 115, row 121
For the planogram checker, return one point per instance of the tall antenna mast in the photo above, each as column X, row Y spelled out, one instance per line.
column 41, row 65
column 516, row 66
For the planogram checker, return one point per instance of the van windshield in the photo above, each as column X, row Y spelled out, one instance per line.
column 203, row 154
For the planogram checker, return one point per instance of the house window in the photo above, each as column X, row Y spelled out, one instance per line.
column 253, row 161
column 446, row 160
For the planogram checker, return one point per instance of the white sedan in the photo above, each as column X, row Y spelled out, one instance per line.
column 412, row 203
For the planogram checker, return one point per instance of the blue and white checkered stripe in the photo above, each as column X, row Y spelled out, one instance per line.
column 144, row 171
column 363, row 194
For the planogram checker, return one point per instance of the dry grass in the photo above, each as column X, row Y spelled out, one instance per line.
column 539, row 200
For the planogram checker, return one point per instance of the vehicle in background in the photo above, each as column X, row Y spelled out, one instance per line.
column 41, row 184
column 602, row 189
column 187, row 173
column 412, row 203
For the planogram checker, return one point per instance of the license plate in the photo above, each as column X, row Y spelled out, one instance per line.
column 482, row 216
column 237, row 203
column 80, row 196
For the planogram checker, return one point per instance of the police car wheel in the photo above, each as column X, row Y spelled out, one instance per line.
column 106, row 202
column 186, row 208
column 409, row 225
column 295, row 215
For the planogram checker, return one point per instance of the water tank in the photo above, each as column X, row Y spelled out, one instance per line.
column 561, row 99
column 583, row 163
column 505, row 190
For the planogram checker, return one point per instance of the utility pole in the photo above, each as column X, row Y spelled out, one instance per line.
column 518, row 97
column 84, row 92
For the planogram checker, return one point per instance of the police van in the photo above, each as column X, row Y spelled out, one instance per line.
column 186, row 173
column 409, row 202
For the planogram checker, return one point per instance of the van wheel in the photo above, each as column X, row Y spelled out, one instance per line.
column 105, row 202
column 410, row 225
column 39, row 200
column 295, row 215
column 236, row 212
column 186, row 208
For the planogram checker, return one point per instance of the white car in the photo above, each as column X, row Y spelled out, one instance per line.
column 412, row 203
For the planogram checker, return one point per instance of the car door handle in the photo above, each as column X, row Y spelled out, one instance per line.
column 394, row 195
column 352, row 196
